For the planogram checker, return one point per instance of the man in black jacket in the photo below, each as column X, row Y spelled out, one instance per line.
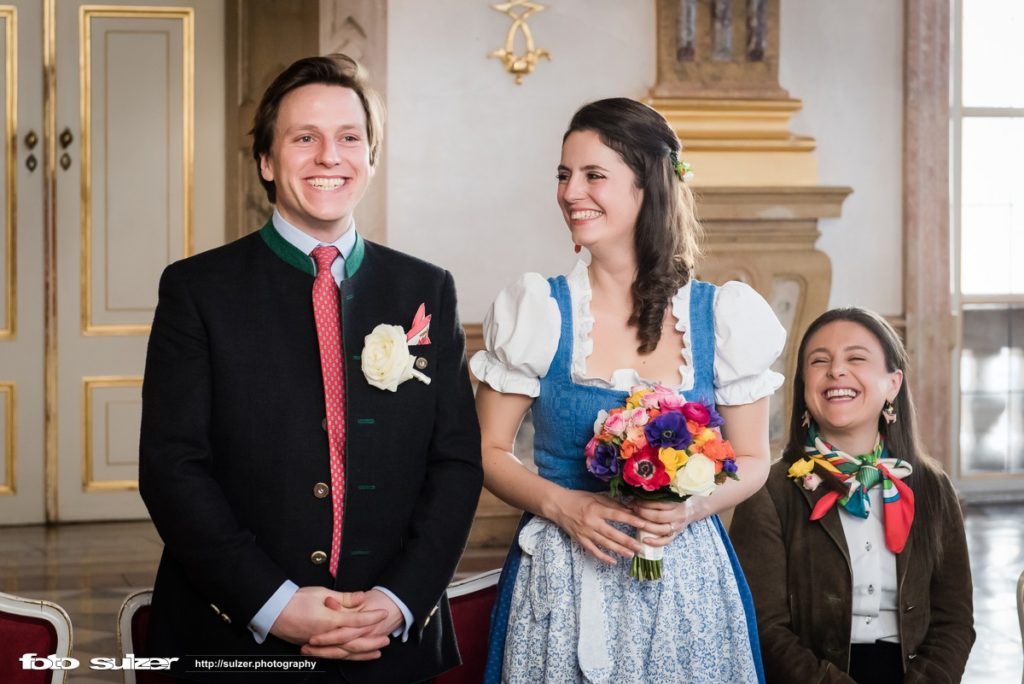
column 310, row 452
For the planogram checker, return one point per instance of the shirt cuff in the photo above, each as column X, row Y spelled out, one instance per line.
column 264, row 619
column 399, row 631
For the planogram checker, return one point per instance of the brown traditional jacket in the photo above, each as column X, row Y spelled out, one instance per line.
column 801, row 578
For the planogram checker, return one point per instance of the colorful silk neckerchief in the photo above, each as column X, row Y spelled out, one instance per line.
column 861, row 473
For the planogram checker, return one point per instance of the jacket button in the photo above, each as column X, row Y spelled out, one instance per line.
column 321, row 490
column 318, row 557
column 323, row 424
column 420, row 363
column 225, row 618
column 908, row 608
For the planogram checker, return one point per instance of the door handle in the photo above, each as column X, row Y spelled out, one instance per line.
column 65, row 139
column 31, row 140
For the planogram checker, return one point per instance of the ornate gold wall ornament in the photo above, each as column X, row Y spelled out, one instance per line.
column 519, row 65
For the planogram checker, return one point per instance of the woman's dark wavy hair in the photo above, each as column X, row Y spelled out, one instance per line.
column 665, row 238
column 901, row 438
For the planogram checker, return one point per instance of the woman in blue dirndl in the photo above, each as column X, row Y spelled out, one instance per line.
column 567, row 347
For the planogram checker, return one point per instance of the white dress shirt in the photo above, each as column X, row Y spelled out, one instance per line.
column 874, row 575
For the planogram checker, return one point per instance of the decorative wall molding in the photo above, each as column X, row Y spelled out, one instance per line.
column 930, row 324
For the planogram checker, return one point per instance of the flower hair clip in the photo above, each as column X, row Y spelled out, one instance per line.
column 682, row 168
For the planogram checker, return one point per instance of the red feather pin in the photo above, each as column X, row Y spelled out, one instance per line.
column 419, row 331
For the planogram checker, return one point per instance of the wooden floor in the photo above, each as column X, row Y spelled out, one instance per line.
column 89, row 569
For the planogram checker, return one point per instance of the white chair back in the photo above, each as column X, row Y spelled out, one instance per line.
column 42, row 611
column 125, row 640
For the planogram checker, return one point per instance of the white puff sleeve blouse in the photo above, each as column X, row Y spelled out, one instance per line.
column 522, row 327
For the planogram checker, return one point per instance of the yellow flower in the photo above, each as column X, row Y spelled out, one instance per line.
column 802, row 467
column 634, row 399
column 674, row 459
column 705, row 435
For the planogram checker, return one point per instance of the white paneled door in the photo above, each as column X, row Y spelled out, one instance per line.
column 22, row 279
column 133, row 129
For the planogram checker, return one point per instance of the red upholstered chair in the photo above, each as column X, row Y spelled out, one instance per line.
column 471, row 601
column 32, row 626
column 132, row 627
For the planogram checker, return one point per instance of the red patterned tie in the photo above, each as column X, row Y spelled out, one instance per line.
column 328, row 333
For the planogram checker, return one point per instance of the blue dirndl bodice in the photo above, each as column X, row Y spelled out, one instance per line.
column 563, row 419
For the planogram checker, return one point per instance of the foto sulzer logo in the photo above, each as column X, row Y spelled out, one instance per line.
column 30, row 661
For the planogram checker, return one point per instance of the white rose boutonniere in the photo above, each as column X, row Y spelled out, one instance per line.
column 386, row 360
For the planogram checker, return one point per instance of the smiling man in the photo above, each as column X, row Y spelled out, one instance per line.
column 310, row 452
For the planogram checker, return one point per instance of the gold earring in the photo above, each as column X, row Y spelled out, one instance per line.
column 889, row 413
column 806, row 422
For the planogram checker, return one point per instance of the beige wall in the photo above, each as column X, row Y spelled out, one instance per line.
column 845, row 61
column 471, row 156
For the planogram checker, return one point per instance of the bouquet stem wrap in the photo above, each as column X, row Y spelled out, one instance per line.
column 646, row 564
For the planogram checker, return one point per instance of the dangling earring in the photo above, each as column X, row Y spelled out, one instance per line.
column 889, row 413
column 806, row 422
column 577, row 248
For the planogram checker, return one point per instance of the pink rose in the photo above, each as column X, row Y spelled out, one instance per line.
column 672, row 402
column 591, row 448
column 651, row 400
column 696, row 412
column 637, row 417
column 616, row 424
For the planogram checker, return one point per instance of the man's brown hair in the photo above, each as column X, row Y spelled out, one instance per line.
column 337, row 69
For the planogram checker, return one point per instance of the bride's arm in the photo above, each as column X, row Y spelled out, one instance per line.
column 746, row 426
column 583, row 515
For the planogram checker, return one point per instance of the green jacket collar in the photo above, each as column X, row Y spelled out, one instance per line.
column 293, row 256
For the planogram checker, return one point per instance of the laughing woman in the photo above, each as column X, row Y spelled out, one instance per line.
column 568, row 347
column 855, row 548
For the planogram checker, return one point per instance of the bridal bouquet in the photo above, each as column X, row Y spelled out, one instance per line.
column 659, row 447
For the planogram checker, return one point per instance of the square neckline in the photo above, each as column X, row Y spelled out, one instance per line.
column 582, row 324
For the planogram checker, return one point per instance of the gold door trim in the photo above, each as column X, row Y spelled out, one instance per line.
column 50, row 455
column 89, row 483
column 8, row 328
column 86, row 14
column 9, row 486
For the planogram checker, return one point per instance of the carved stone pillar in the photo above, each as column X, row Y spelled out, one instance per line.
column 757, row 182
column 930, row 325
column 718, row 84
column 765, row 237
column 262, row 38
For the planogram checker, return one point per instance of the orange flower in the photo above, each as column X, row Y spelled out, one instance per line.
column 627, row 449
column 694, row 427
column 718, row 450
